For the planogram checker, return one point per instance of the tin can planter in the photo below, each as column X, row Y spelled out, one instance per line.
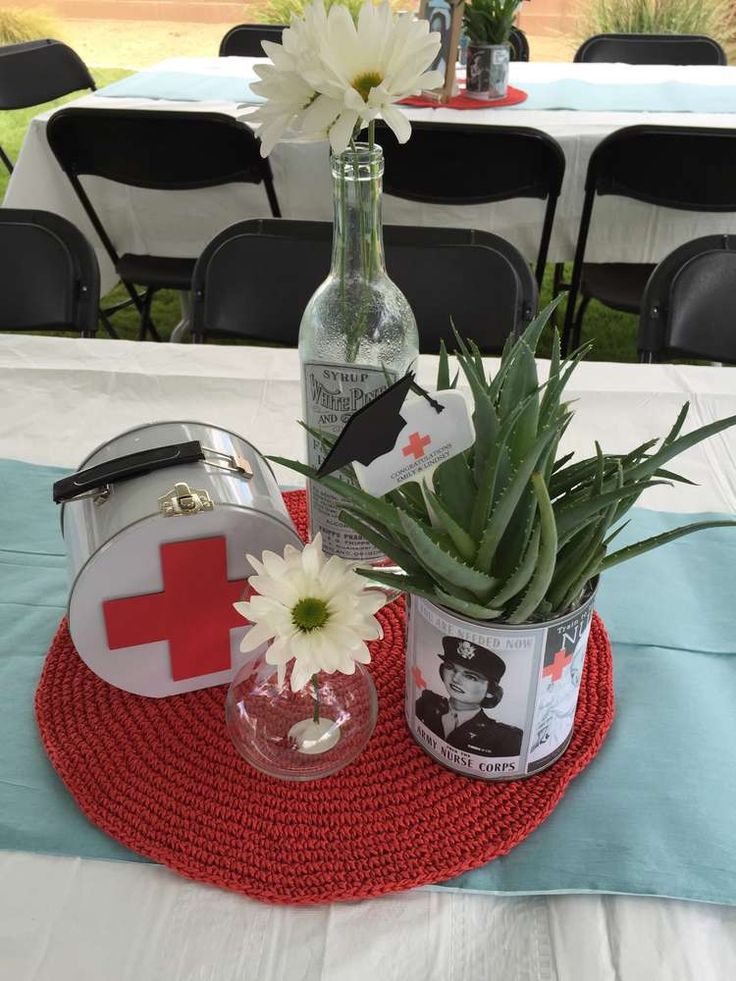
column 487, row 71
column 489, row 700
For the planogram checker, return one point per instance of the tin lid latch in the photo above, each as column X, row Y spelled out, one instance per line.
column 183, row 500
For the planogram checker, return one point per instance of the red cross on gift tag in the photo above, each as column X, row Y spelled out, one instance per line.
column 558, row 665
column 194, row 613
column 415, row 446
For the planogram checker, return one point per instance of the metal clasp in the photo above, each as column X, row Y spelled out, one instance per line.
column 182, row 500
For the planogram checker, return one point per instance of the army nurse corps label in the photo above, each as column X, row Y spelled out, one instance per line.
column 332, row 393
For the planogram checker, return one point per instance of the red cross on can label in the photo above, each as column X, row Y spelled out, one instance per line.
column 155, row 570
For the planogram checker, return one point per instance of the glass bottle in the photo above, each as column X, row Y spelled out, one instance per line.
column 357, row 335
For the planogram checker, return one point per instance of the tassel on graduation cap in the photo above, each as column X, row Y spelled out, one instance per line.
column 373, row 430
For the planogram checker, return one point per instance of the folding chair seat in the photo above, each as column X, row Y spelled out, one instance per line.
column 245, row 39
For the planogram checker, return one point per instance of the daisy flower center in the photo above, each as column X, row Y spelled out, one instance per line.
column 310, row 614
column 365, row 82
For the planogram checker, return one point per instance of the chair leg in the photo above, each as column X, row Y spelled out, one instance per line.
column 147, row 325
column 6, row 160
column 558, row 285
column 109, row 329
column 577, row 329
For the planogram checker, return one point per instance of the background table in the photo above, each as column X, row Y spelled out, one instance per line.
column 66, row 918
column 180, row 223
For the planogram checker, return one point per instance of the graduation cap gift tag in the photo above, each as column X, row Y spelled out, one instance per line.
column 394, row 438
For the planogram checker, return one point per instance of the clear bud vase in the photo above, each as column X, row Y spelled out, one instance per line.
column 358, row 335
column 305, row 734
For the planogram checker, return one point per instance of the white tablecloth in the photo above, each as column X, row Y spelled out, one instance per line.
column 67, row 919
column 180, row 223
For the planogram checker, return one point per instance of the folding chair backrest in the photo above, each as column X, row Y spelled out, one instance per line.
column 245, row 39
column 685, row 167
column 689, row 305
column 165, row 150
column 49, row 278
column 478, row 279
column 472, row 164
column 652, row 49
column 38, row 71
column 519, row 45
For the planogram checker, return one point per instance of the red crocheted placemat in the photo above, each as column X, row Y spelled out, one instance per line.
column 463, row 101
column 162, row 777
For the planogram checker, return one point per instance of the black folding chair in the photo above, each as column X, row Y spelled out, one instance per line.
column 245, row 39
column 478, row 280
column 652, row 49
column 49, row 278
column 471, row 164
column 689, row 305
column 519, row 45
column 36, row 72
column 162, row 150
column 683, row 167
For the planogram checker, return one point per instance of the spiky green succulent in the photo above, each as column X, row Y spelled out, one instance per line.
column 508, row 531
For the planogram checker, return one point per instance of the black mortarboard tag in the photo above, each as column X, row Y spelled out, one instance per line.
column 373, row 437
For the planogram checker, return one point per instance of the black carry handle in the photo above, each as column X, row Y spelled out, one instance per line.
column 126, row 467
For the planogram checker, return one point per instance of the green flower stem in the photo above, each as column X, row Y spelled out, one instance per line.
column 315, row 696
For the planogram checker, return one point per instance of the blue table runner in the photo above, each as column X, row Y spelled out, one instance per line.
column 652, row 814
column 183, row 87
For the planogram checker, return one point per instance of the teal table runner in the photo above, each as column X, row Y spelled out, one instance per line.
column 183, row 87
column 653, row 813
column 669, row 96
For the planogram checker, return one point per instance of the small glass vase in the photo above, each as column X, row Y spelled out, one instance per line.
column 303, row 735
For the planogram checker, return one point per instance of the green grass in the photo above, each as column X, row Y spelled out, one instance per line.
column 614, row 334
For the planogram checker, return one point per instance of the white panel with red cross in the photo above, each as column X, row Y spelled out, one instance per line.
column 152, row 611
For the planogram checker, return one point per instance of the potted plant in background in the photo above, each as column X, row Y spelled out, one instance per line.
column 501, row 552
column 488, row 25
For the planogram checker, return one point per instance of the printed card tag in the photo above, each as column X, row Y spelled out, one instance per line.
column 428, row 439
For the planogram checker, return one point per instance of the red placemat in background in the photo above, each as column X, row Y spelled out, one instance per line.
column 463, row 101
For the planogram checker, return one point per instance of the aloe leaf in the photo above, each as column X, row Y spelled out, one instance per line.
column 387, row 546
column 376, row 509
column 559, row 464
column 443, row 369
column 467, row 608
column 442, row 565
column 519, row 579
column 461, row 539
column 408, row 497
column 678, row 424
column 588, row 572
column 506, row 503
column 616, row 531
column 454, row 485
column 513, row 544
column 677, row 446
column 539, row 583
column 495, row 472
column 638, row 548
column 571, row 516
column 678, row 478
column 404, row 584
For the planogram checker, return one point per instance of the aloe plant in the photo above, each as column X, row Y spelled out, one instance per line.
column 508, row 530
column 490, row 21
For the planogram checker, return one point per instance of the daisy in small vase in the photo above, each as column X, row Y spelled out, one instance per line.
column 317, row 616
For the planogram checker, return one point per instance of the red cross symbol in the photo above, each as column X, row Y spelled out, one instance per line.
column 555, row 669
column 194, row 613
column 415, row 446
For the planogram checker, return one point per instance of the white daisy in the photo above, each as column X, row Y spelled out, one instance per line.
column 284, row 87
column 329, row 77
column 369, row 67
column 311, row 608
